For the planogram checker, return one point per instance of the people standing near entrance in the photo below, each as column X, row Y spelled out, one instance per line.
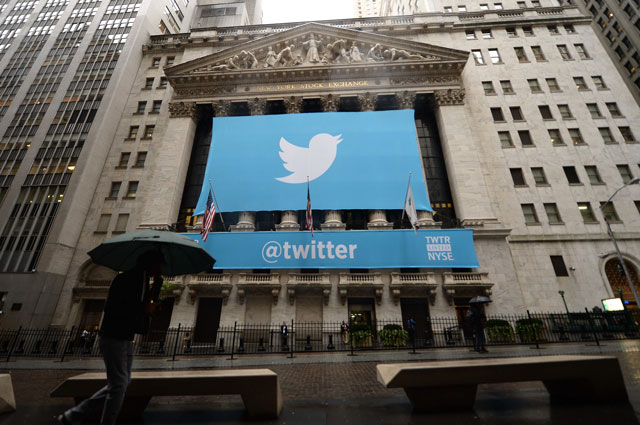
column 477, row 317
column 411, row 328
column 344, row 332
column 127, row 311
column 284, row 332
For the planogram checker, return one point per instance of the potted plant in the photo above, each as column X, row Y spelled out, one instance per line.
column 393, row 336
column 499, row 331
column 361, row 335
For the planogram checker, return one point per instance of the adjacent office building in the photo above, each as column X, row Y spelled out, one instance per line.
column 521, row 125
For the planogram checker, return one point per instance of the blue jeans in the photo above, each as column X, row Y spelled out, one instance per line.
column 118, row 358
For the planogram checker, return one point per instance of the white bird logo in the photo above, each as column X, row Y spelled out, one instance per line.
column 311, row 162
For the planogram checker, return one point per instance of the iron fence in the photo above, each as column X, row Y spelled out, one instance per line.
column 300, row 337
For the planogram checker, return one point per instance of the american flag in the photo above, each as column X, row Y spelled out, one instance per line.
column 207, row 221
column 309, row 214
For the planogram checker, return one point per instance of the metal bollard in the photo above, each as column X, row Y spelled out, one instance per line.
column 261, row 344
column 241, row 346
column 307, row 346
column 330, row 346
column 221, row 346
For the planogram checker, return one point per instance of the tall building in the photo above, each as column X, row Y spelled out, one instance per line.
column 523, row 131
column 366, row 8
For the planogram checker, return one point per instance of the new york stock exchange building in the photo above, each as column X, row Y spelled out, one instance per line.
column 510, row 128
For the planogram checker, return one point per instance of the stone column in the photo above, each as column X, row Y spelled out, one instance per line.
column 367, row 101
column 330, row 103
column 333, row 221
column 406, row 99
column 425, row 219
column 293, row 105
column 246, row 222
column 257, row 106
column 171, row 151
column 222, row 108
column 288, row 222
column 378, row 220
column 462, row 157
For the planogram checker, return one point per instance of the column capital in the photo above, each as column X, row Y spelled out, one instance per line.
column 222, row 108
column 406, row 99
column 257, row 106
column 293, row 104
column 449, row 97
column 367, row 101
column 183, row 110
column 330, row 103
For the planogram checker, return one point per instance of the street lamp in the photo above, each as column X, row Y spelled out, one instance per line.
column 561, row 292
column 615, row 243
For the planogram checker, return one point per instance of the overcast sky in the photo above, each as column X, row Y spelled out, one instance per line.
column 275, row 11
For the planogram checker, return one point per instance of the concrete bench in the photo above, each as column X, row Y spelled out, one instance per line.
column 452, row 385
column 259, row 388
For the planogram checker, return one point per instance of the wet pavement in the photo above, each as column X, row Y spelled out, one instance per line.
column 338, row 389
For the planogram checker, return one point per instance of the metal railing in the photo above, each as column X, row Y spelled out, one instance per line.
column 306, row 337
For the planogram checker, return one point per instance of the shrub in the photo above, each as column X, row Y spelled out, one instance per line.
column 499, row 331
column 393, row 336
column 529, row 330
column 361, row 334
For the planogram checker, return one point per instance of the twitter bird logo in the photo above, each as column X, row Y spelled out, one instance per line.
column 311, row 162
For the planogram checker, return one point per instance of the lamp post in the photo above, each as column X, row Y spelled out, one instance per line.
column 615, row 243
column 561, row 292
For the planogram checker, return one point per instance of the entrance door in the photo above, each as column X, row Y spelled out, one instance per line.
column 91, row 315
column 207, row 320
column 462, row 305
column 160, row 321
column 362, row 311
column 418, row 310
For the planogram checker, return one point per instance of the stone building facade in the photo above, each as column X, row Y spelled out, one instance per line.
column 524, row 131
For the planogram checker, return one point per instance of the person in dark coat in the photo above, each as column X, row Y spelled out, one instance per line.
column 477, row 316
column 127, row 311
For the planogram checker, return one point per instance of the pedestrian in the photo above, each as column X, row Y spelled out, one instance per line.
column 477, row 317
column 411, row 328
column 344, row 332
column 127, row 311
column 284, row 332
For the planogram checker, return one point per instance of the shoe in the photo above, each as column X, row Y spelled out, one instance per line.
column 483, row 351
column 63, row 419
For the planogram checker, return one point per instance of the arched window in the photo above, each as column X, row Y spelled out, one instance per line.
column 618, row 280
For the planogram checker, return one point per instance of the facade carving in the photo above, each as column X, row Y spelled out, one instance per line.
column 188, row 92
column 330, row 103
column 406, row 100
column 257, row 106
column 293, row 105
column 367, row 101
column 222, row 108
column 183, row 110
column 449, row 97
column 426, row 80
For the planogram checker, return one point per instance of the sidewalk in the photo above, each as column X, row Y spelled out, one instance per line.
column 335, row 388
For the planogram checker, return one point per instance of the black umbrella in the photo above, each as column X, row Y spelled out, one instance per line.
column 479, row 300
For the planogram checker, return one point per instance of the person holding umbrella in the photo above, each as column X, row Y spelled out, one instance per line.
column 129, row 306
column 477, row 317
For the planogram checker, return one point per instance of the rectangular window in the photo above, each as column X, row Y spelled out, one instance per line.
column 569, row 29
column 625, row 173
column 495, row 56
column 132, row 189
column 637, row 202
column 528, row 31
column 553, row 214
column 140, row 159
column 580, row 83
column 477, row 57
column 484, row 6
column 121, row 223
column 553, row 84
column 599, row 82
column 520, row 54
column 594, row 110
column 486, row 33
column 522, row 5
column 517, row 176
column 157, row 104
column 133, row 132
column 559, row 267
column 497, row 115
column 534, row 85
column 511, row 32
column 553, row 29
column 497, row 6
column 582, row 52
column 507, row 88
column 606, row 135
column 535, row 3
column 586, row 212
column 576, row 136
column 462, row 8
column 488, row 88
column 170, row 60
column 538, row 54
column 124, row 159
column 564, row 52
column 148, row 131
column 516, row 113
column 470, row 34
column 609, row 212
column 115, row 189
column 539, row 177
column 571, row 174
column 627, row 135
column 529, row 212
column 448, row 9
column 505, row 139
column 103, row 223
column 525, row 138
column 163, row 83
column 155, row 62
column 141, row 107
column 556, row 137
column 593, row 174
column 565, row 112
column 613, row 109
column 545, row 111
column 148, row 84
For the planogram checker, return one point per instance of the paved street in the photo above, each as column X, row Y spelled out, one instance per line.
column 338, row 389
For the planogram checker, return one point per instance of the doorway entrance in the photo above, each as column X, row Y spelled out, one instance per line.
column 418, row 310
column 362, row 311
column 207, row 320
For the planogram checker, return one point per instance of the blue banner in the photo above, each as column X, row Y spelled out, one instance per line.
column 368, row 249
column 352, row 160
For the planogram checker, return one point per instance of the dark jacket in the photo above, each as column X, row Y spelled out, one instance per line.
column 124, row 309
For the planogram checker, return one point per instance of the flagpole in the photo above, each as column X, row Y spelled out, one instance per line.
column 308, row 204
column 405, row 197
column 224, row 226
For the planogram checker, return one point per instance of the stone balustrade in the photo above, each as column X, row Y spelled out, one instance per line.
column 466, row 285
